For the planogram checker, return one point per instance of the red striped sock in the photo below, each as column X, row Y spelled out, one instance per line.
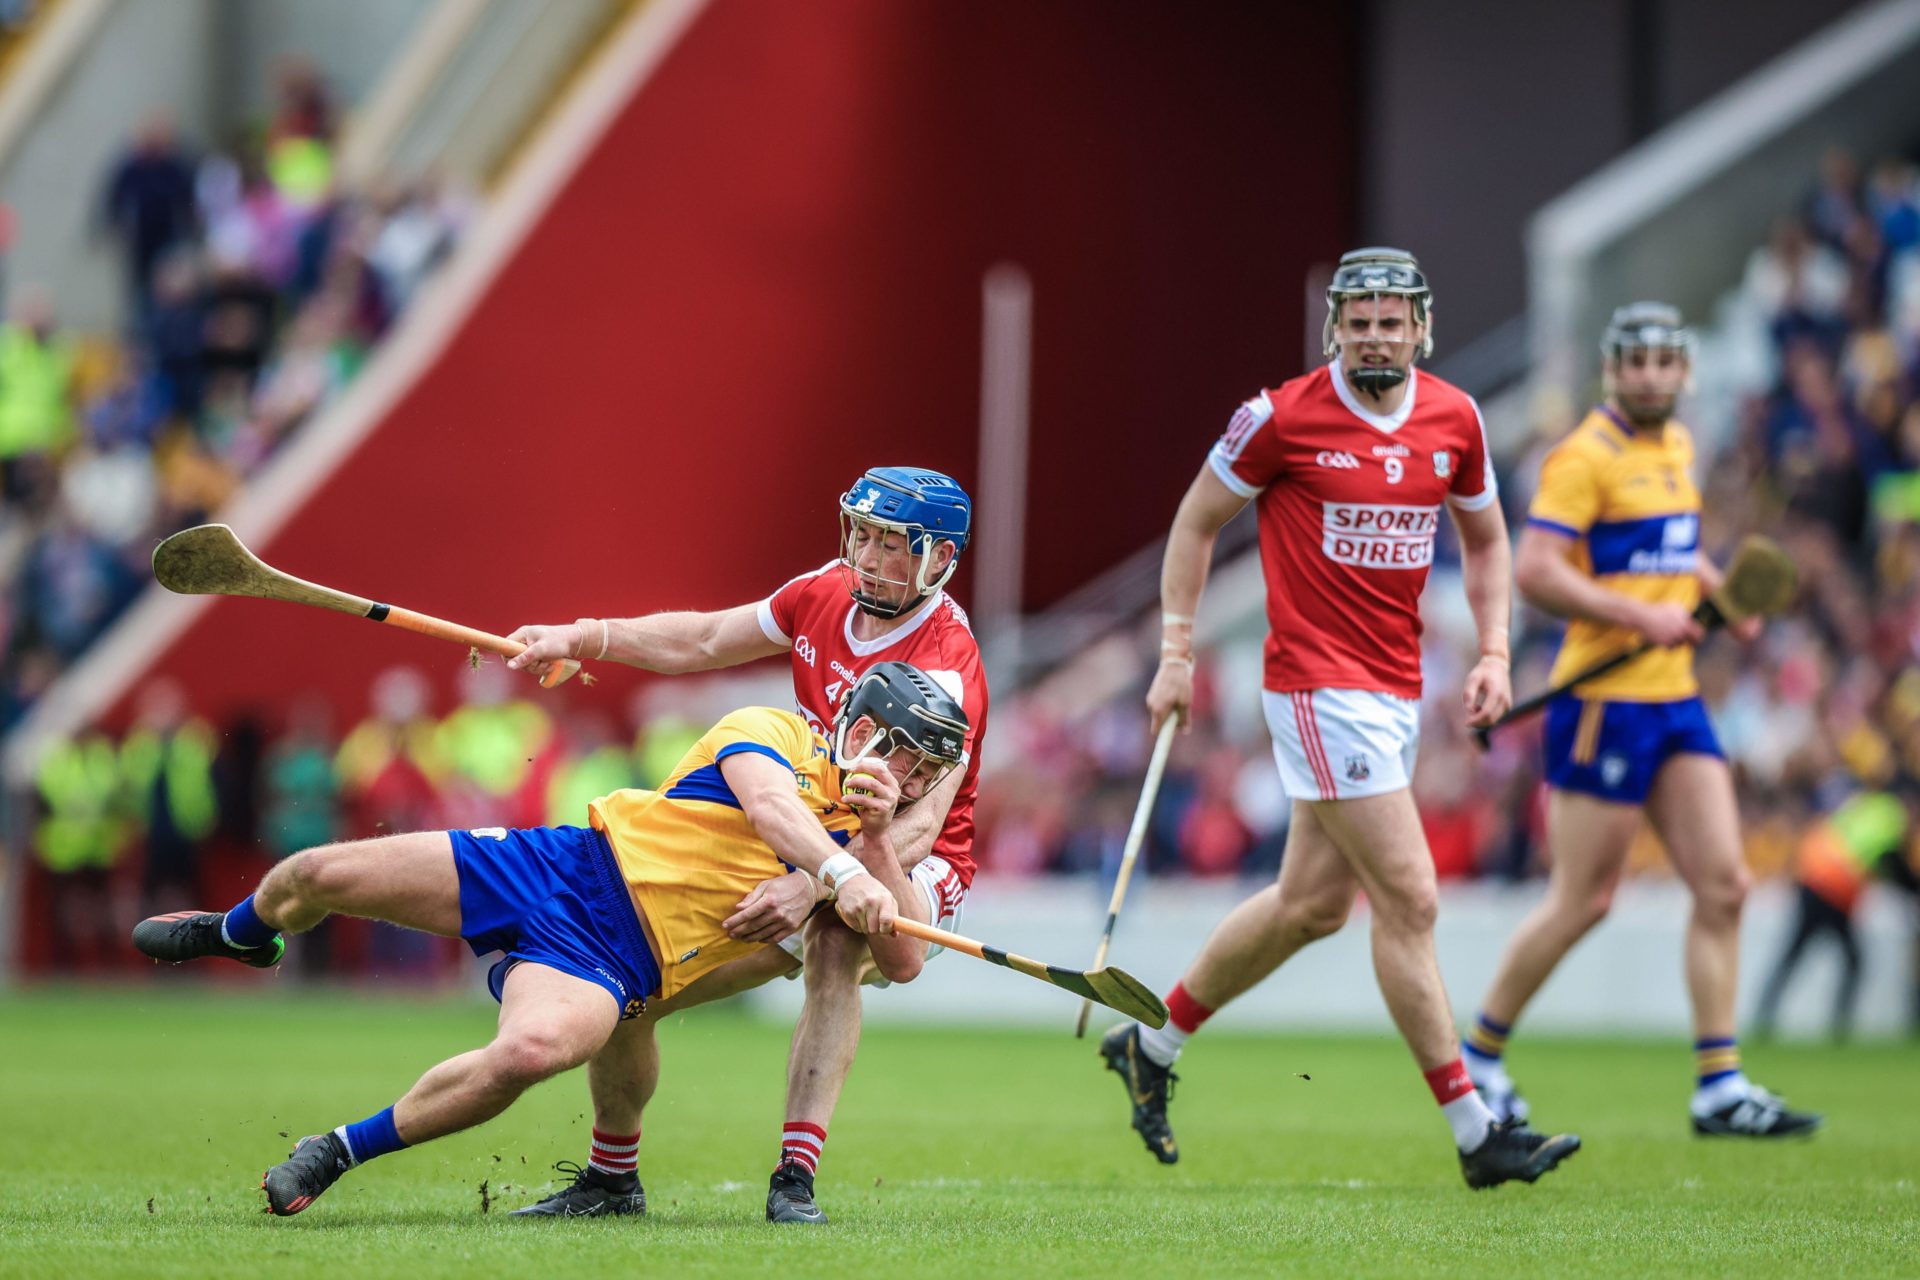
column 1184, row 1016
column 801, row 1143
column 1449, row 1082
column 1183, row 1011
column 615, row 1153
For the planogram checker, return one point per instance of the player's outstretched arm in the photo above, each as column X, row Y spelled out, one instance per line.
column 1486, row 566
column 670, row 643
column 1547, row 576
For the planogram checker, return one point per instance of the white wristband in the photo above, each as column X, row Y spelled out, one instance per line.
column 839, row 869
column 606, row 638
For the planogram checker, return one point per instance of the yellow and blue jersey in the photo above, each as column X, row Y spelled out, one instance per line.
column 688, row 852
column 1629, row 501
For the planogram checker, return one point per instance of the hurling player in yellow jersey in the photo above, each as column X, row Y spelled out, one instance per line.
column 593, row 921
column 1612, row 545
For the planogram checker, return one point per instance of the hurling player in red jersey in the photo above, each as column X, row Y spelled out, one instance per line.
column 1350, row 466
column 902, row 532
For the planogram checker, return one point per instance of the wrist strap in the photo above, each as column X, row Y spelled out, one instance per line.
column 606, row 638
column 839, row 869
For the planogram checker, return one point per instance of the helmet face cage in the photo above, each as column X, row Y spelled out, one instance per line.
column 909, row 712
column 1376, row 274
column 916, row 587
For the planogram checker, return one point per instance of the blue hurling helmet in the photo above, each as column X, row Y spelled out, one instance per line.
column 926, row 506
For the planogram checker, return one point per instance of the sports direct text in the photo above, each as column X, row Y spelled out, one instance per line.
column 1378, row 535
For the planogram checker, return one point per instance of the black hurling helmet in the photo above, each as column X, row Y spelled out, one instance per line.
column 908, row 710
column 1371, row 273
column 1648, row 326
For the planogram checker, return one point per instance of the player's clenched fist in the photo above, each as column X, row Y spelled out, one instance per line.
column 1171, row 692
column 866, row 905
column 871, row 791
column 1668, row 625
column 1489, row 691
column 547, row 647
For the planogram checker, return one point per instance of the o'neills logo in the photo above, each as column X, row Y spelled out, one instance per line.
column 1379, row 535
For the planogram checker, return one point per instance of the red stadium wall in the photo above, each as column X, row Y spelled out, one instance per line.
column 767, row 275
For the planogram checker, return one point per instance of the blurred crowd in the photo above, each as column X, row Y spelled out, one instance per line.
column 1808, row 423
column 255, row 285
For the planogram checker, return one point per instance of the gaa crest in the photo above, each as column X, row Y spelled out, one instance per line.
column 1357, row 770
column 1442, row 463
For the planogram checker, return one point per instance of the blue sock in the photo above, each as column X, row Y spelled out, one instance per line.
column 1487, row 1042
column 243, row 926
column 374, row 1136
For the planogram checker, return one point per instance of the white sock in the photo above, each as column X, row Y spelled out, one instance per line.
column 1708, row 1099
column 1485, row 1072
column 1162, row 1046
column 1469, row 1119
column 345, row 1142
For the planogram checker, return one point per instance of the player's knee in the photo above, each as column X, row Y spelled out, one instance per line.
column 834, row 954
column 521, row 1059
column 1720, row 898
column 1409, row 909
column 901, row 968
column 1313, row 919
column 1590, row 908
column 306, row 878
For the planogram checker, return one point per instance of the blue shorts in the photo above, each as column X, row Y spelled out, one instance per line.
column 1614, row 750
column 553, row 896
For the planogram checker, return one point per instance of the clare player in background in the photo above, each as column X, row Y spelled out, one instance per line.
column 595, row 921
column 1351, row 466
column 902, row 530
column 1612, row 544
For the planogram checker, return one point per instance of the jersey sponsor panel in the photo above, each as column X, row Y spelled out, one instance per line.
column 1379, row 535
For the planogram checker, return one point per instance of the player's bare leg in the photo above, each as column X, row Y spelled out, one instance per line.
column 1309, row 901
column 1693, row 808
column 622, row 1076
column 825, row 1040
column 408, row 880
column 1382, row 840
column 1589, row 839
column 549, row 1022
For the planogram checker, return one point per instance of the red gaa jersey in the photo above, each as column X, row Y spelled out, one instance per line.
column 813, row 617
column 1348, row 503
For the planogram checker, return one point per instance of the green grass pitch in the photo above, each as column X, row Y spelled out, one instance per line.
column 134, row 1127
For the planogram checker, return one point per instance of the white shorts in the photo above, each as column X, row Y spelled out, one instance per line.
column 940, row 887
column 1342, row 744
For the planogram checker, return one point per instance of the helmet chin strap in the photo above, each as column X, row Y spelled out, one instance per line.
column 1370, row 380
column 880, row 609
